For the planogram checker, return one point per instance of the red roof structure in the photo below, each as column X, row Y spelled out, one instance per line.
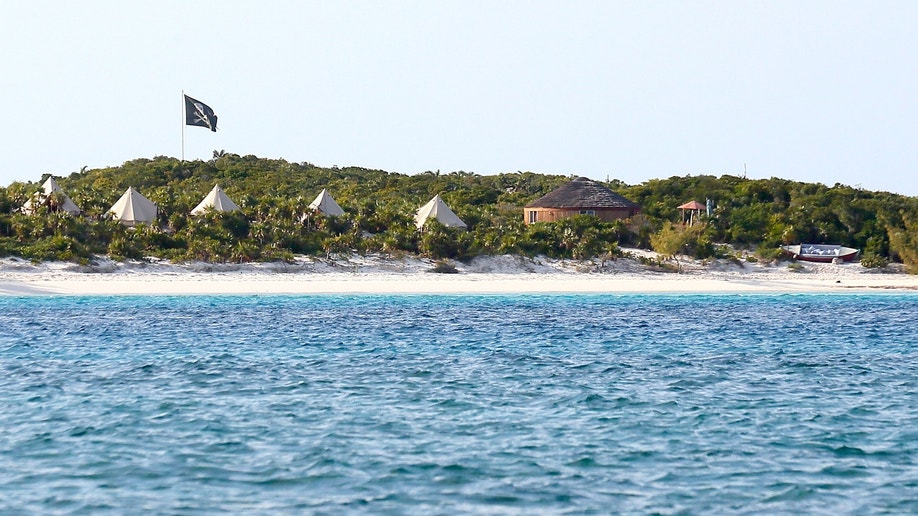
column 693, row 205
column 694, row 209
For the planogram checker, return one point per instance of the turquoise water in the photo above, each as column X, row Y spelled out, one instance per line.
column 460, row 404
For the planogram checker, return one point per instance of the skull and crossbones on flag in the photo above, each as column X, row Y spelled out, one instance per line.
column 199, row 114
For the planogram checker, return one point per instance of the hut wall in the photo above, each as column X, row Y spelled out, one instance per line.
column 531, row 215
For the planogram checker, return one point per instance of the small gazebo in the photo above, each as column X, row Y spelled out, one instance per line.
column 690, row 212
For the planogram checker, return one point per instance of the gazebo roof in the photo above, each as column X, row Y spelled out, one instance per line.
column 582, row 193
column 692, row 205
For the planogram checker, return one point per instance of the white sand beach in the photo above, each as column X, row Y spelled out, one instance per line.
column 410, row 275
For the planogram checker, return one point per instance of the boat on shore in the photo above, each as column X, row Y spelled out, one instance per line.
column 821, row 253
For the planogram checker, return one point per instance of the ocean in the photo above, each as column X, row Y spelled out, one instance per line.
column 497, row 404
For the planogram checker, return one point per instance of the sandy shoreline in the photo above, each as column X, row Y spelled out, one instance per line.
column 492, row 275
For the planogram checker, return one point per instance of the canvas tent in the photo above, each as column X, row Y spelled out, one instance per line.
column 326, row 205
column 216, row 200
column 45, row 196
column 438, row 210
column 133, row 208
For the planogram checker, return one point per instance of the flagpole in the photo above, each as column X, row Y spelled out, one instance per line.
column 183, row 126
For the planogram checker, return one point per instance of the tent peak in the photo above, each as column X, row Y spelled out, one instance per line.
column 438, row 210
column 325, row 204
column 216, row 200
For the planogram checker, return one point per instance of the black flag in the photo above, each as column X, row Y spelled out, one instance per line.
column 200, row 114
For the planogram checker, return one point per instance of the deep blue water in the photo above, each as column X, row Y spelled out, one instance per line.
column 460, row 404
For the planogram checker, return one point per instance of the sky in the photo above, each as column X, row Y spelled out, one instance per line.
column 814, row 91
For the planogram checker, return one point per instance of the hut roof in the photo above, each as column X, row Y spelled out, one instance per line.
column 582, row 193
column 692, row 205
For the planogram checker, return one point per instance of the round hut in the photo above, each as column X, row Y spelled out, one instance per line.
column 581, row 196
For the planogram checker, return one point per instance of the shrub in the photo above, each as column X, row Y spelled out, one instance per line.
column 669, row 241
column 56, row 248
column 874, row 261
column 735, row 260
column 768, row 254
column 444, row 267
column 438, row 241
column 904, row 243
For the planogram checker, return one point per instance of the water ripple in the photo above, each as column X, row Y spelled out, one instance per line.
column 469, row 404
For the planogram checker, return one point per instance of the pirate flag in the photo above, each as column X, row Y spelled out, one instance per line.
column 200, row 114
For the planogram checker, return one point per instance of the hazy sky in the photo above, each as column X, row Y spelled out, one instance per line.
column 817, row 91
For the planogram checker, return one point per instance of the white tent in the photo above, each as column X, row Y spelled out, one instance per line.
column 216, row 200
column 50, row 187
column 133, row 208
column 438, row 209
column 326, row 205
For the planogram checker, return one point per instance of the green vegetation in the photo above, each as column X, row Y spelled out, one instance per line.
column 444, row 267
column 673, row 240
column 904, row 242
column 756, row 215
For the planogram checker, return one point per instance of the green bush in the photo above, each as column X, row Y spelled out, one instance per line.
column 56, row 248
column 124, row 248
column 874, row 261
column 904, row 243
column 692, row 241
column 768, row 254
column 444, row 267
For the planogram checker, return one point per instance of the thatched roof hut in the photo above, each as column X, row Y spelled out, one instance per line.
column 581, row 196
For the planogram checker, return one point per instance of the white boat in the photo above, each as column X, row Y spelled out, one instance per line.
column 822, row 253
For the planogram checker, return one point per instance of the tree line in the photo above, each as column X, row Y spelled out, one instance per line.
column 755, row 215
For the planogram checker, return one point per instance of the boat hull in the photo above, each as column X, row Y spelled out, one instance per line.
column 821, row 253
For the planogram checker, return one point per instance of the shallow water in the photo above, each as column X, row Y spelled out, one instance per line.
column 474, row 404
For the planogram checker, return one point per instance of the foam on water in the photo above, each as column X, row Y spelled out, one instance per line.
column 445, row 404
